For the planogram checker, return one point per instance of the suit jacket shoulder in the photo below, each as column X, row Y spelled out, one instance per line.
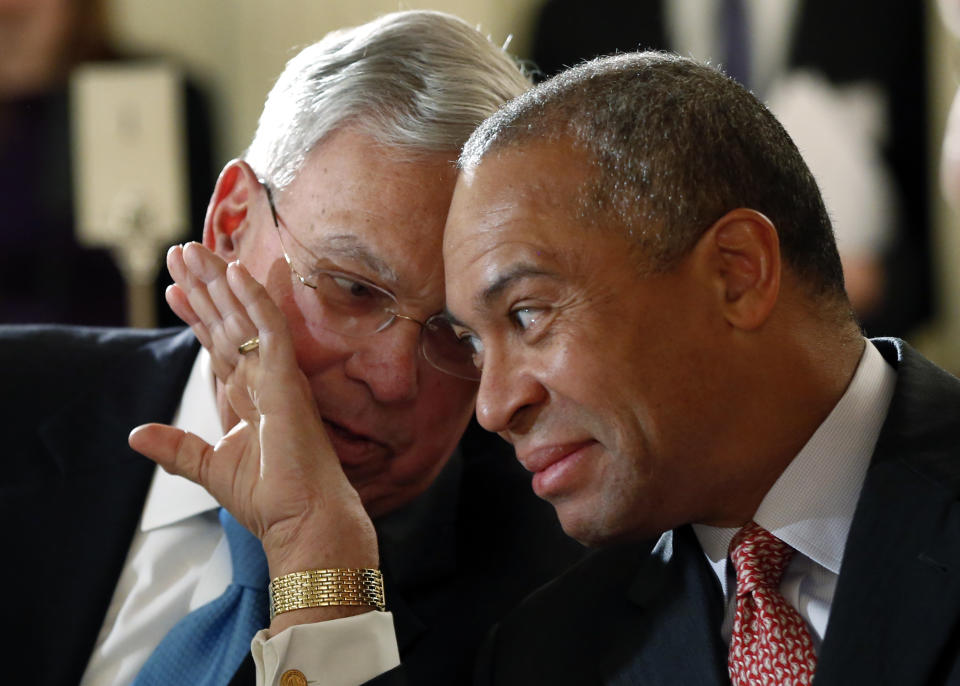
column 71, row 489
column 895, row 617
column 633, row 614
column 55, row 373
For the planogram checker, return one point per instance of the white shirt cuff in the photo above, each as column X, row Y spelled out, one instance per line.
column 339, row 652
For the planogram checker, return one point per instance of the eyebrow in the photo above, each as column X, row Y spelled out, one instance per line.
column 485, row 298
column 350, row 247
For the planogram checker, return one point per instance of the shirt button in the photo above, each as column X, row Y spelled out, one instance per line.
column 293, row 677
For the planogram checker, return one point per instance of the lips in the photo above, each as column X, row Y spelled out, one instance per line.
column 355, row 450
column 554, row 467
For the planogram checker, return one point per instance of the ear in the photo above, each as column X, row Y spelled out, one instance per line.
column 227, row 212
column 741, row 252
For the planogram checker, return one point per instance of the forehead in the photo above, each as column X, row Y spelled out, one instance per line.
column 367, row 207
column 517, row 212
column 518, row 184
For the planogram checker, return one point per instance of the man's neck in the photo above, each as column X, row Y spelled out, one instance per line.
column 795, row 386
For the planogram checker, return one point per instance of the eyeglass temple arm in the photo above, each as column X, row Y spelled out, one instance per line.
column 273, row 209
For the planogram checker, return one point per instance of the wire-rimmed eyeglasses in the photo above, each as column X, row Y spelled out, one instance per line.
column 352, row 306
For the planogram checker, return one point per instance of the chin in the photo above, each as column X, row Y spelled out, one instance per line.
column 582, row 525
column 595, row 528
column 379, row 499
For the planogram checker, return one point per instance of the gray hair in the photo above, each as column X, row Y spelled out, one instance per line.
column 673, row 145
column 416, row 81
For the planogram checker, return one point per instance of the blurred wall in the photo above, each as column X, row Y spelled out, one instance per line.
column 236, row 48
column 941, row 340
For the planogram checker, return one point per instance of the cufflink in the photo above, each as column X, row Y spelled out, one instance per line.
column 293, row 677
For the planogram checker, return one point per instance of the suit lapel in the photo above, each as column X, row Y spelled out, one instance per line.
column 145, row 386
column 899, row 588
column 677, row 632
column 89, row 512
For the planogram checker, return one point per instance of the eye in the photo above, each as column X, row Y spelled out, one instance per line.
column 352, row 287
column 471, row 342
column 525, row 317
column 348, row 295
column 468, row 340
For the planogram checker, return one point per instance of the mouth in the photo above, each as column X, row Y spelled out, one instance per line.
column 356, row 451
column 554, row 467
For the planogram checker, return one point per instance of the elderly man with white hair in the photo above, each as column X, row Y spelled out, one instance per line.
column 338, row 209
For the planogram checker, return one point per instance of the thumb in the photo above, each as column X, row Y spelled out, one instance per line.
column 177, row 451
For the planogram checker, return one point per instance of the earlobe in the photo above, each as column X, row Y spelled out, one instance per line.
column 228, row 208
column 746, row 251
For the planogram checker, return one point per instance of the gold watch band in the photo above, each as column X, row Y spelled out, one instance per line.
column 325, row 587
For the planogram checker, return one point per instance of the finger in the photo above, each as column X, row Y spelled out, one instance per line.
column 263, row 312
column 229, row 324
column 180, row 304
column 211, row 269
column 175, row 266
column 184, row 279
column 177, row 451
column 206, row 271
column 281, row 386
column 177, row 298
column 218, row 469
column 197, row 289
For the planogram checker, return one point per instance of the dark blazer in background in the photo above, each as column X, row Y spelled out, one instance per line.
column 880, row 41
column 651, row 613
column 72, row 492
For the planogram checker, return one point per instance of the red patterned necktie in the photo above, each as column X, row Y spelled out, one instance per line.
column 770, row 644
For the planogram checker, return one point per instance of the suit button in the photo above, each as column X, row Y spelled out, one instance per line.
column 293, row 677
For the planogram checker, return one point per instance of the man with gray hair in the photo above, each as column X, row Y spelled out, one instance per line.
column 337, row 208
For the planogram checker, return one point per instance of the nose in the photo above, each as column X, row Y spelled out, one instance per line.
column 389, row 362
column 509, row 394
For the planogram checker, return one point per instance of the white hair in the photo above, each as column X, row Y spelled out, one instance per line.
column 418, row 81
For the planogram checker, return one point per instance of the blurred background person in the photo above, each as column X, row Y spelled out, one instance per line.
column 41, row 261
column 950, row 153
column 847, row 80
column 236, row 47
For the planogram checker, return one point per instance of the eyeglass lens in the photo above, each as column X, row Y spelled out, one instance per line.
column 445, row 351
column 353, row 307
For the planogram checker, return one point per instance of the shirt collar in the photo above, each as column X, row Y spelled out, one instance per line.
column 811, row 506
column 173, row 498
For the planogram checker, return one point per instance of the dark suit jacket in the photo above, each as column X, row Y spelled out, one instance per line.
column 651, row 613
column 72, row 491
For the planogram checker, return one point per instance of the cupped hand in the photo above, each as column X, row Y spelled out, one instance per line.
column 276, row 470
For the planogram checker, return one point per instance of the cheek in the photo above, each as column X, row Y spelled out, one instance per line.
column 444, row 407
column 604, row 388
column 316, row 348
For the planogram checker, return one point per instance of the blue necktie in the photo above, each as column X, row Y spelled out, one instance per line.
column 206, row 647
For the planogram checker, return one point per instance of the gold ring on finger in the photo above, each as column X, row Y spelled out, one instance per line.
column 249, row 346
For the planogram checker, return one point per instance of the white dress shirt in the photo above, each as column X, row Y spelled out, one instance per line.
column 811, row 505
column 179, row 560
column 691, row 28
